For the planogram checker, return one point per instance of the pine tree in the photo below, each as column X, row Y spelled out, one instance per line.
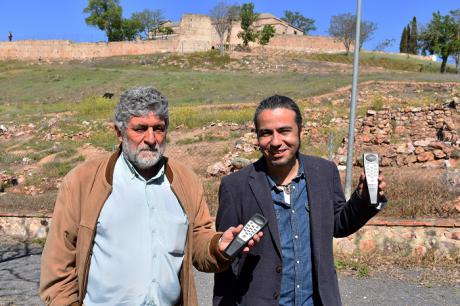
column 403, row 43
column 412, row 46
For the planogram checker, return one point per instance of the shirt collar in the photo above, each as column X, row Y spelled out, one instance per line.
column 300, row 175
column 134, row 174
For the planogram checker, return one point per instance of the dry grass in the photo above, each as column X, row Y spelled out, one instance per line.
column 23, row 204
column 425, row 270
column 211, row 190
column 418, row 193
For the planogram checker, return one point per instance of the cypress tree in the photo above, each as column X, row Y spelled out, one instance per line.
column 412, row 47
column 409, row 34
column 403, row 43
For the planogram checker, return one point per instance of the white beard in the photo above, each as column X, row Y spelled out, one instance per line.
column 143, row 157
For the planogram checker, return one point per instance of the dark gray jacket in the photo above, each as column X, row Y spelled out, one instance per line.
column 255, row 278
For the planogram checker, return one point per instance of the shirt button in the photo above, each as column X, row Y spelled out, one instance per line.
column 278, row 269
column 293, row 211
column 298, row 261
column 298, row 286
column 296, row 237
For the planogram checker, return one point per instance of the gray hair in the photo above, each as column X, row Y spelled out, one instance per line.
column 138, row 102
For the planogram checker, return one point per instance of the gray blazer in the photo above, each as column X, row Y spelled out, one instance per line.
column 255, row 278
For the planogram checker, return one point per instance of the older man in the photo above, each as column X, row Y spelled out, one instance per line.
column 127, row 227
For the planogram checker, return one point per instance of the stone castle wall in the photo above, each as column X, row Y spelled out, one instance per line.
column 305, row 44
column 193, row 39
column 31, row 50
column 195, row 33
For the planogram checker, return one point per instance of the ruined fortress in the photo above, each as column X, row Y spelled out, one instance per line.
column 193, row 33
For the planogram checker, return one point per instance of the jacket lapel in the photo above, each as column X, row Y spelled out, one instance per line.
column 315, row 191
column 259, row 187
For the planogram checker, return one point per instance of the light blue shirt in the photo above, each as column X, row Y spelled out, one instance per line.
column 293, row 216
column 139, row 244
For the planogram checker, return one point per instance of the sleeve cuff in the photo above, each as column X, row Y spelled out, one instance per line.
column 382, row 200
column 214, row 249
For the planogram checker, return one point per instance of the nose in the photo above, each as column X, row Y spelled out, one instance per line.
column 149, row 136
column 276, row 140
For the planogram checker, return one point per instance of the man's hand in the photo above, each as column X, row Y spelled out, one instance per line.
column 232, row 232
column 362, row 190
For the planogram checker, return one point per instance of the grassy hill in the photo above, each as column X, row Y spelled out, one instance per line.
column 53, row 110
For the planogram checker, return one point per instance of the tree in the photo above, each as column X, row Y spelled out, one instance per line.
column 367, row 30
column 131, row 28
column 268, row 31
column 223, row 16
column 150, row 21
column 456, row 15
column 412, row 39
column 166, row 30
column 403, row 43
column 107, row 16
column 384, row 44
column 299, row 21
column 441, row 36
column 248, row 17
column 343, row 28
column 408, row 38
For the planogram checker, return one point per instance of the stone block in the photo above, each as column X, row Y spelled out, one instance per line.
column 425, row 156
column 453, row 235
column 437, row 145
column 422, row 143
column 419, row 150
column 367, row 246
column 366, row 138
column 419, row 251
column 399, row 129
column 439, row 154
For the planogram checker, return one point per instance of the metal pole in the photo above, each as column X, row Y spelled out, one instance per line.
column 351, row 127
column 331, row 145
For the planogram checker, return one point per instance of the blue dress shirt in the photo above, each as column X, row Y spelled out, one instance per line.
column 292, row 214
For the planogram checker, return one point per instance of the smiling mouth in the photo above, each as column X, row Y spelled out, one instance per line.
column 277, row 153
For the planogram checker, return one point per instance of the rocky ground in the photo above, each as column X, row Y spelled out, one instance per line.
column 222, row 147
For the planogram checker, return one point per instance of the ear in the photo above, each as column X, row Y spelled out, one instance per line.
column 118, row 132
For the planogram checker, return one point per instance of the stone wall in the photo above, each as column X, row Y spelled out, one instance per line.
column 305, row 43
column 196, row 33
column 408, row 136
column 25, row 227
column 196, row 36
column 438, row 238
column 421, row 136
column 30, row 50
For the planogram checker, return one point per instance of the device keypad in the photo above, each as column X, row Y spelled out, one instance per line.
column 250, row 229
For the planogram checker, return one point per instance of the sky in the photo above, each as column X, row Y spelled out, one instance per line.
column 58, row 19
